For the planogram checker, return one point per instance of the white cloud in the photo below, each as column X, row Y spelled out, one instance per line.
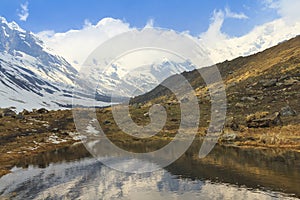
column 214, row 34
column 230, row 14
column 287, row 9
column 150, row 23
column 258, row 39
column 24, row 12
column 222, row 47
column 87, row 23
column 76, row 45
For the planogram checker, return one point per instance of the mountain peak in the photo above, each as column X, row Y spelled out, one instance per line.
column 11, row 25
column 3, row 20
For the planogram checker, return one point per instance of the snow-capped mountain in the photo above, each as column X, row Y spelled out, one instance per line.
column 31, row 75
column 221, row 47
column 126, row 82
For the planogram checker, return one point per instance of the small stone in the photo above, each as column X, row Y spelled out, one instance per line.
column 260, row 97
column 248, row 99
column 239, row 105
column 55, row 129
column 229, row 136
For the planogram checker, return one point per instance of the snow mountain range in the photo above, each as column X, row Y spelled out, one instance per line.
column 121, row 81
column 32, row 76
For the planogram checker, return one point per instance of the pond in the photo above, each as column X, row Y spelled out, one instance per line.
column 226, row 173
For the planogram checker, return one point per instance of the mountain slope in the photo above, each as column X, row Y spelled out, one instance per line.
column 31, row 75
column 266, row 81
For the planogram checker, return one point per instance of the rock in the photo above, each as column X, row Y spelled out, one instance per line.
column 106, row 122
column 269, row 83
column 266, row 121
column 231, row 84
column 247, row 99
column 20, row 116
column 290, row 82
column 42, row 111
column 229, row 122
column 239, row 105
column 136, row 105
column 24, row 112
column 229, row 136
column 260, row 97
column 256, row 115
column 234, row 126
column 283, row 77
column 55, row 129
column 287, row 111
column 7, row 112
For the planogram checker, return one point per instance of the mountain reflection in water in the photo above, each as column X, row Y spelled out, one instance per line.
column 227, row 173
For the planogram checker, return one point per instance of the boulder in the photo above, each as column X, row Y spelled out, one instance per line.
column 42, row 111
column 269, row 83
column 20, row 116
column 290, row 82
column 287, row 111
column 7, row 112
column 264, row 121
column 24, row 112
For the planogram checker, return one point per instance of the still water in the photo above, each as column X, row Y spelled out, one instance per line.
column 227, row 173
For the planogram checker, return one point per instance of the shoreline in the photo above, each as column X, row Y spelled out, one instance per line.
column 11, row 159
column 45, row 131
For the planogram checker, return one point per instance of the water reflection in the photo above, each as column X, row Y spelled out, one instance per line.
column 227, row 173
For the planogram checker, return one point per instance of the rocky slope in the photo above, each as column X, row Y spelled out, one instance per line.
column 268, row 82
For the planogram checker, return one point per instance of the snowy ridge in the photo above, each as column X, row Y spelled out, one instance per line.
column 130, row 82
column 31, row 75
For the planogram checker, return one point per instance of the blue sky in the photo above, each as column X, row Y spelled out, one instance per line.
column 193, row 16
